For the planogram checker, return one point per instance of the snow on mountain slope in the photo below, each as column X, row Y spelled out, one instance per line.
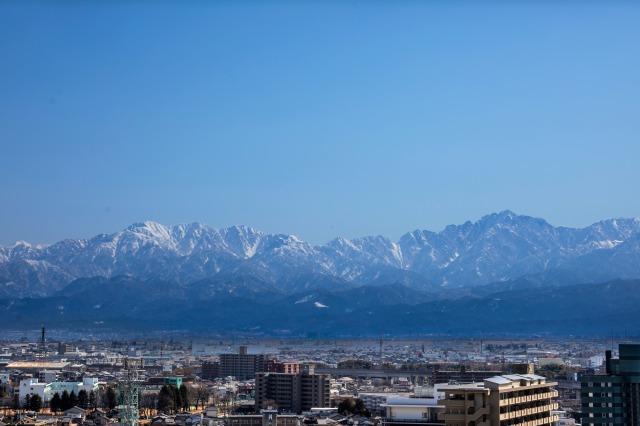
column 498, row 247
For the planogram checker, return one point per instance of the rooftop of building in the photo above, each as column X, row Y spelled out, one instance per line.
column 477, row 386
column 403, row 401
column 508, row 380
column 40, row 365
column 516, row 380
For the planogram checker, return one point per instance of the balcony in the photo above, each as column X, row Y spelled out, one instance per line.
column 529, row 398
column 529, row 411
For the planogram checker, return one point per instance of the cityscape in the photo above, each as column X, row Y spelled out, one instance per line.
column 319, row 213
column 392, row 382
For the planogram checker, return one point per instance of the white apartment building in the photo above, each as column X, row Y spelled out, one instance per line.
column 47, row 390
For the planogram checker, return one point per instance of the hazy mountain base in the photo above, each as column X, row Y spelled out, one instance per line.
column 227, row 307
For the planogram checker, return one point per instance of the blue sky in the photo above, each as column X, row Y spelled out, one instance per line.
column 315, row 118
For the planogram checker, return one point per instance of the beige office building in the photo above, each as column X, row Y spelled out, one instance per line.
column 516, row 399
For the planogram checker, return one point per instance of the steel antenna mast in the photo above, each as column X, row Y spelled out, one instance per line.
column 128, row 389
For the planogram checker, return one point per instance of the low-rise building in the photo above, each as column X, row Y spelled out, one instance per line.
column 374, row 401
column 404, row 411
column 46, row 391
column 267, row 417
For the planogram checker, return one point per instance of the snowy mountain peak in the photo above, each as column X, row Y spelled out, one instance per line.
column 148, row 226
column 497, row 247
column 505, row 214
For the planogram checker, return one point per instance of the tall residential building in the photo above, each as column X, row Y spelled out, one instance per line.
column 613, row 398
column 513, row 399
column 242, row 365
column 210, row 370
column 275, row 366
column 292, row 393
column 63, row 348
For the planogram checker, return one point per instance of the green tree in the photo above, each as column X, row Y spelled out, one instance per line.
column 177, row 398
column 166, row 401
column 351, row 406
column 110, row 396
column 83, row 399
column 184, row 397
column 73, row 399
column 35, row 403
column 27, row 401
column 93, row 400
column 56, row 403
column 65, row 401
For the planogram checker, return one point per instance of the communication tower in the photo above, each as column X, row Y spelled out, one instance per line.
column 128, row 389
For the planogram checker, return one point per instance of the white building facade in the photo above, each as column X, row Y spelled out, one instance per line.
column 47, row 390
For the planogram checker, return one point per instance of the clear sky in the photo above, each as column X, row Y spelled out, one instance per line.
column 315, row 118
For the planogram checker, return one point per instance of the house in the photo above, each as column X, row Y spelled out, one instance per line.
column 99, row 418
column 75, row 413
column 162, row 420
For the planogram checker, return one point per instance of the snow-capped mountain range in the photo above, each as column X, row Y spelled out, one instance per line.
column 499, row 247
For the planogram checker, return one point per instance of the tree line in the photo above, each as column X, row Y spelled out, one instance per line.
column 62, row 402
column 172, row 399
column 68, row 400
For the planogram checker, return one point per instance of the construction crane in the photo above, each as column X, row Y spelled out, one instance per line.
column 128, row 389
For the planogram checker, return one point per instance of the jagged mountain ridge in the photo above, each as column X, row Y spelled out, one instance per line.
column 498, row 247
